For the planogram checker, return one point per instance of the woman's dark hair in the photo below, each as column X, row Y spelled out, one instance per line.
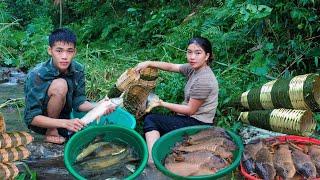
column 62, row 34
column 205, row 44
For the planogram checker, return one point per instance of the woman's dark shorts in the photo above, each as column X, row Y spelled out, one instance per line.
column 166, row 123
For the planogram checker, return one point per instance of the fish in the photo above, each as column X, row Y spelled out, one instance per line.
column 314, row 153
column 226, row 143
column 88, row 150
column 104, row 162
column 212, row 131
column 108, row 149
column 249, row 155
column 97, row 111
column 303, row 163
column 197, row 156
column 264, row 164
column 208, row 146
column 283, row 162
column 183, row 168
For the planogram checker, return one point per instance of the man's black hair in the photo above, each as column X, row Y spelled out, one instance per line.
column 62, row 34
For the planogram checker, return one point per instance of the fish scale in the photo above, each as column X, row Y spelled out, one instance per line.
column 264, row 164
column 314, row 152
column 283, row 162
column 303, row 163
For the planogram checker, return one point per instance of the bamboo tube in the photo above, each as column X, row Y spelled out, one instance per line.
column 135, row 100
column 14, row 139
column 289, row 121
column 299, row 92
column 14, row 154
column 129, row 78
column 8, row 170
column 2, row 124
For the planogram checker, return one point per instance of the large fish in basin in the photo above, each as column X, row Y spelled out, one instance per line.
column 314, row 153
column 303, row 163
column 211, row 146
column 207, row 133
column 264, row 164
column 249, row 155
column 283, row 162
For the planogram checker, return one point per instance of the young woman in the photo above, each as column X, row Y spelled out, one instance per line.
column 200, row 93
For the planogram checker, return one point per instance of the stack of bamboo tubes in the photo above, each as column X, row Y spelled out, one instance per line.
column 12, row 148
column 283, row 105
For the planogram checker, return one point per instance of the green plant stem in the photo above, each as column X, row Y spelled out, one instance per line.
column 239, row 69
column 10, row 101
column 9, row 24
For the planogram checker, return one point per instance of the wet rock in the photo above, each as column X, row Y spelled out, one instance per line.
column 11, row 76
column 41, row 150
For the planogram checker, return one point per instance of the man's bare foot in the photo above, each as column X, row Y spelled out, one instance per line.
column 52, row 136
column 54, row 139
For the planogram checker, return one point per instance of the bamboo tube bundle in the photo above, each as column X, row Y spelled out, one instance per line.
column 2, row 124
column 14, row 139
column 14, row 154
column 147, row 78
column 289, row 121
column 299, row 92
column 8, row 170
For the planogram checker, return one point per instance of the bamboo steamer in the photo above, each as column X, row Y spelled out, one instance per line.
column 289, row 121
column 14, row 139
column 2, row 124
column 299, row 92
column 8, row 170
column 14, row 154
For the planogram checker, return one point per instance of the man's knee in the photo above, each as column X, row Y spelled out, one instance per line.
column 58, row 87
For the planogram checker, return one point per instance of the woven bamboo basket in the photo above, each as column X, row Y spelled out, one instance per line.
column 8, row 170
column 14, row 139
column 299, row 92
column 135, row 100
column 2, row 124
column 14, row 154
column 288, row 121
column 147, row 78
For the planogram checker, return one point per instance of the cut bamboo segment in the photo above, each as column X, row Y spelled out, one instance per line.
column 14, row 139
column 300, row 92
column 135, row 100
column 147, row 78
column 14, row 154
column 2, row 124
column 8, row 170
column 289, row 121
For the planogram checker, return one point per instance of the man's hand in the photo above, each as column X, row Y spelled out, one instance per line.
column 110, row 107
column 73, row 124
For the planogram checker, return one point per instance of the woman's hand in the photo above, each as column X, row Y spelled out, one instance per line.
column 153, row 104
column 141, row 66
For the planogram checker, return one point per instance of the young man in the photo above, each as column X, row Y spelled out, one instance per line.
column 54, row 88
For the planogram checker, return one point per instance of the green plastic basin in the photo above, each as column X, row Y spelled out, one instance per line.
column 119, row 117
column 82, row 138
column 164, row 145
